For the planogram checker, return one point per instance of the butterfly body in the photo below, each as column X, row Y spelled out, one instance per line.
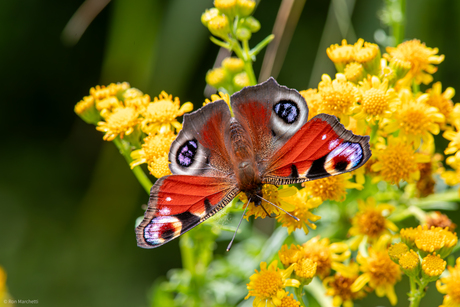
column 267, row 139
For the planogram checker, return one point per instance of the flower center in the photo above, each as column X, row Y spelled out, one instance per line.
column 374, row 102
column 371, row 223
column 268, row 284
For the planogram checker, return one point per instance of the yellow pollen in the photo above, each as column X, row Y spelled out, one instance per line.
column 332, row 188
column 433, row 265
column 383, row 271
column 289, row 301
column 306, row 268
column 371, row 223
column 397, row 250
column 268, row 283
column 354, row 72
column 375, row 101
column 409, row 260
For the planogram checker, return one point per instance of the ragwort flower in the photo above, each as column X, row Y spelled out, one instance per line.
column 267, row 286
column 327, row 256
column 379, row 272
column 332, row 188
column 421, row 58
column 274, row 195
column 160, row 115
column 450, row 286
column 416, row 120
column 339, row 287
column 441, row 101
column 378, row 101
column 339, row 96
column 371, row 221
column 397, row 161
column 303, row 204
column 121, row 122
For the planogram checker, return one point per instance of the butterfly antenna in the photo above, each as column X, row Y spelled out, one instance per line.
column 234, row 235
column 295, row 218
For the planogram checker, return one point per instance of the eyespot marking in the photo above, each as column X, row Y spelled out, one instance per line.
column 287, row 110
column 162, row 228
column 186, row 153
column 343, row 158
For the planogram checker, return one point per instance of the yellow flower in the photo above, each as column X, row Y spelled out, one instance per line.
column 408, row 236
column 139, row 103
column 454, row 138
column 289, row 301
column 107, row 105
column 119, row 123
column 290, row 255
column 416, row 120
column 433, row 266
column 339, row 96
column 354, row 72
column 327, row 256
column 339, row 287
column 233, row 65
column 219, row 26
column 410, row 263
column 435, row 239
column 378, row 101
column 2, row 282
column 340, row 54
column 450, row 286
column 395, row 251
column 333, row 188
column 367, row 54
column 161, row 114
column 379, row 271
column 371, row 221
column 313, row 99
column 241, row 80
column 217, row 77
column 100, row 91
column 397, row 161
column 245, row 7
column 215, row 97
column 441, row 101
column 86, row 109
column 155, row 146
column 272, row 194
column 302, row 206
column 305, row 270
column 420, row 57
column 159, row 167
column 268, row 285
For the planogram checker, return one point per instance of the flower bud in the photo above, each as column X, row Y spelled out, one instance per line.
column 245, row 7
column 208, row 15
column 219, row 26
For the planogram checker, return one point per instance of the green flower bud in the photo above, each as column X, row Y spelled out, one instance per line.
column 243, row 34
column 252, row 24
column 245, row 7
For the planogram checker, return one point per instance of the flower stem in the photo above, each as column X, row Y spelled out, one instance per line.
column 124, row 149
column 298, row 294
column 416, row 294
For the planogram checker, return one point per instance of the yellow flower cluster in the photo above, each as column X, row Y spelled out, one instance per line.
column 126, row 114
column 373, row 95
column 230, row 76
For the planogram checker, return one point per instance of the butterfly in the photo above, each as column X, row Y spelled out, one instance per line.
column 265, row 138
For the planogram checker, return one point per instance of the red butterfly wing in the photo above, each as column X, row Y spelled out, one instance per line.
column 321, row 148
column 180, row 202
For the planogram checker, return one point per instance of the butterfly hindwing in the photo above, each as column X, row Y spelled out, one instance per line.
column 180, row 202
column 321, row 148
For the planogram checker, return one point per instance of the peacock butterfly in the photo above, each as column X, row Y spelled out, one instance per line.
column 265, row 139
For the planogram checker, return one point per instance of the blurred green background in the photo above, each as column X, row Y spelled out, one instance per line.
column 68, row 201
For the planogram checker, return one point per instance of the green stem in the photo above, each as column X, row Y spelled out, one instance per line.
column 138, row 172
column 398, row 26
column 298, row 294
column 416, row 293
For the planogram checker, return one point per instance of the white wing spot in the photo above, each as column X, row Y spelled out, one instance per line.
column 168, row 198
column 323, row 138
column 165, row 211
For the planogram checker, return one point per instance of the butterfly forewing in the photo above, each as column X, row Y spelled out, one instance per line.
column 180, row 202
